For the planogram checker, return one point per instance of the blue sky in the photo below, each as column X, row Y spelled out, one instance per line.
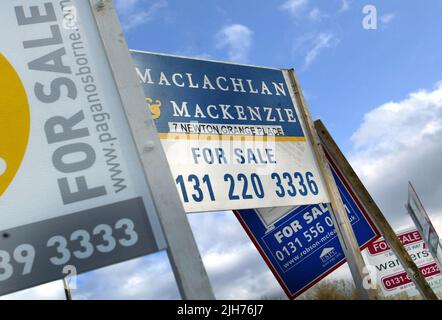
column 353, row 69
column 379, row 92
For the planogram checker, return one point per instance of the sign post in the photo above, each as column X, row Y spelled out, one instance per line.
column 84, row 182
column 391, row 276
column 232, row 134
column 235, row 137
column 72, row 188
column 190, row 274
column 240, row 137
column 338, row 213
column 375, row 213
column 423, row 223
column 300, row 244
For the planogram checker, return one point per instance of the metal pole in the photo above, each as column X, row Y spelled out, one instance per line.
column 342, row 224
column 187, row 265
column 67, row 289
column 375, row 213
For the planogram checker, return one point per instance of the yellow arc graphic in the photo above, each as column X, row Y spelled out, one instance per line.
column 14, row 123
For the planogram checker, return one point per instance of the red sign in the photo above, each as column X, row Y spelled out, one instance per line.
column 402, row 278
column 405, row 238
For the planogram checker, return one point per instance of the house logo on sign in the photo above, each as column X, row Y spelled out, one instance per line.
column 328, row 254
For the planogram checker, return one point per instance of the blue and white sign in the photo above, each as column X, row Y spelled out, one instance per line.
column 232, row 133
column 300, row 245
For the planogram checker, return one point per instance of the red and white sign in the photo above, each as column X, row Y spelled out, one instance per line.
column 388, row 270
column 406, row 238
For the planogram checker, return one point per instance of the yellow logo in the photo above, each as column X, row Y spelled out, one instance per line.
column 154, row 107
column 14, row 123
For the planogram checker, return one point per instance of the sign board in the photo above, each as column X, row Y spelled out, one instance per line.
column 73, row 195
column 391, row 276
column 300, row 245
column 232, row 133
column 423, row 222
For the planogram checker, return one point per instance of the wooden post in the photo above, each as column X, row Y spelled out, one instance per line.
column 341, row 222
column 375, row 213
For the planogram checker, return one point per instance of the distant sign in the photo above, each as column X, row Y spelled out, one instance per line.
column 300, row 245
column 72, row 188
column 390, row 275
column 423, row 224
column 232, row 133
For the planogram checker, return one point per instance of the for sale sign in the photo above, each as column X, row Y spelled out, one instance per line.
column 390, row 275
column 232, row 134
column 72, row 188
column 300, row 245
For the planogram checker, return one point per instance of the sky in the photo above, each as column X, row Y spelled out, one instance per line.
column 379, row 92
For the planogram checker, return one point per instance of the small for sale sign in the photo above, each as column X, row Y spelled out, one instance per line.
column 390, row 275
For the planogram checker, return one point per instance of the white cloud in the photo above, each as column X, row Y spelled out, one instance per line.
column 50, row 291
column 134, row 13
column 235, row 268
column 345, row 5
column 294, row 7
column 387, row 18
column 396, row 142
column 319, row 43
column 194, row 52
column 316, row 15
column 401, row 141
column 148, row 277
column 237, row 40
column 125, row 6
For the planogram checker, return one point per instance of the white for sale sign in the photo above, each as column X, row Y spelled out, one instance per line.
column 72, row 189
column 232, row 134
column 389, row 272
